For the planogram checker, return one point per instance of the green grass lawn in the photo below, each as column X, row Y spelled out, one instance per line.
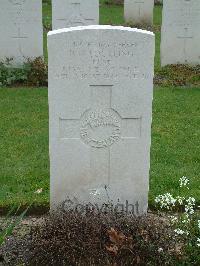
column 24, row 143
column 24, row 134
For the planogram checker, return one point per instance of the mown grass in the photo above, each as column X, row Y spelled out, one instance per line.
column 24, row 144
column 175, row 141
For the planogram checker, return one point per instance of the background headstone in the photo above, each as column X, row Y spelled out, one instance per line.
column 100, row 104
column 72, row 13
column 139, row 11
column 180, row 35
column 21, row 30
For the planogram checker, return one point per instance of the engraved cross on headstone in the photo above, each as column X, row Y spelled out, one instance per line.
column 17, row 2
column 76, row 19
column 101, row 128
column 19, row 37
column 139, row 6
column 186, row 37
column 18, row 19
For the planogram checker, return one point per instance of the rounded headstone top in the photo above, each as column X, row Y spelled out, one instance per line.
column 99, row 27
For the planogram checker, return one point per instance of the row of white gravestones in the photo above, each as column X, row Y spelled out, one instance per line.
column 180, row 38
column 21, row 27
column 100, row 107
column 21, row 30
column 139, row 11
column 71, row 13
column 67, row 13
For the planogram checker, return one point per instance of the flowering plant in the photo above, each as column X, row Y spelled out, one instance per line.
column 186, row 224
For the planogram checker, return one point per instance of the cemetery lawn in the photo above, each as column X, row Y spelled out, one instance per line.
column 24, row 133
column 24, row 144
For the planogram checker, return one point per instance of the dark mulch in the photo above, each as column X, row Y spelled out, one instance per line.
column 178, row 75
column 92, row 239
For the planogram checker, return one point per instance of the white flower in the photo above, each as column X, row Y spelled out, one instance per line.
column 179, row 231
column 198, row 242
column 160, row 250
column 165, row 200
column 180, row 200
column 198, row 224
column 189, row 210
column 191, row 200
column 186, row 218
column 189, row 207
column 184, row 181
column 174, row 219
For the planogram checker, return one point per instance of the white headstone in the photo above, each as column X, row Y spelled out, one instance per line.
column 21, row 30
column 180, row 38
column 71, row 13
column 100, row 103
column 139, row 11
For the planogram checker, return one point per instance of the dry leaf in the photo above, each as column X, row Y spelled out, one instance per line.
column 39, row 191
column 113, row 249
column 115, row 237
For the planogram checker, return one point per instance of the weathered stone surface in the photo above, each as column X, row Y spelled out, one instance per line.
column 180, row 38
column 100, row 104
column 71, row 13
column 139, row 11
column 21, row 30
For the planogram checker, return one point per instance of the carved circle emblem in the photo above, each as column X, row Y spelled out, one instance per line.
column 100, row 128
